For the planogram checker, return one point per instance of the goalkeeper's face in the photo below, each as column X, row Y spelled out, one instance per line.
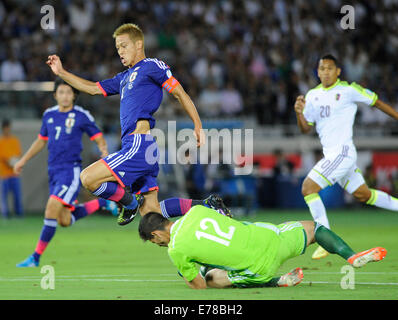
column 161, row 237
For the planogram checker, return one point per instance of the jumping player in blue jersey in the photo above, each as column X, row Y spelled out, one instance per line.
column 133, row 169
column 62, row 129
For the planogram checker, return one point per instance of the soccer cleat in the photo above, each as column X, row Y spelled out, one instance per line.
column 215, row 202
column 112, row 207
column 372, row 255
column 319, row 253
column 28, row 263
column 292, row 278
column 127, row 215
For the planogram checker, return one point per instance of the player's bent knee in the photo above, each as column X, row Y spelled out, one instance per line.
column 309, row 228
column 309, row 187
column 88, row 180
column 85, row 178
column 64, row 223
column 217, row 278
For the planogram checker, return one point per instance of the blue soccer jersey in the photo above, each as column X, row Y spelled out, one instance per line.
column 140, row 89
column 63, row 131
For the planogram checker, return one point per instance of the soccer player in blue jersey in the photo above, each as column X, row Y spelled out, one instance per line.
column 62, row 128
column 133, row 169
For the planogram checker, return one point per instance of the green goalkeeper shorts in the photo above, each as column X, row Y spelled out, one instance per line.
column 293, row 242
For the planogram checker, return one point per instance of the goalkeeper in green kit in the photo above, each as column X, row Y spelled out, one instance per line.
column 241, row 254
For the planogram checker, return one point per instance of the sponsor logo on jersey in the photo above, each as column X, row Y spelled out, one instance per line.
column 338, row 95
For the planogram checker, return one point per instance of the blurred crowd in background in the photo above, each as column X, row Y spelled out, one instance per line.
column 235, row 58
column 238, row 59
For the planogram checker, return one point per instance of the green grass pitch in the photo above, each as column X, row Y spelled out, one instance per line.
column 97, row 259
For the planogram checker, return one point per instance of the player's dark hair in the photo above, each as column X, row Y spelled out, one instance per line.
column 59, row 82
column 5, row 123
column 150, row 222
column 331, row 57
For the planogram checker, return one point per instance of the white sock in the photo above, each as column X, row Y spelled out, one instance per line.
column 317, row 209
column 383, row 200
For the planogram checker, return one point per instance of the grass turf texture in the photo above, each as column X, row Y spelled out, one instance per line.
column 97, row 259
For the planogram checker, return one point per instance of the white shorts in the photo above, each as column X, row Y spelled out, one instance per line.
column 338, row 167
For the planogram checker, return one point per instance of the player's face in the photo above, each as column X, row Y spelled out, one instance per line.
column 328, row 72
column 127, row 49
column 64, row 96
column 161, row 238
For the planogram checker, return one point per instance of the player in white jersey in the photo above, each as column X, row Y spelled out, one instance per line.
column 331, row 108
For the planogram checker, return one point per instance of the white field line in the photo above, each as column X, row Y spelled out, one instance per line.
column 356, row 282
column 116, row 278
column 177, row 280
column 94, row 280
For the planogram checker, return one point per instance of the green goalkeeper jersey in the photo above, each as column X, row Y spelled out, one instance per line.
column 208, row 238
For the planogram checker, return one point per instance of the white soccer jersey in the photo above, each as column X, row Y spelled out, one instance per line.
column 333, row 110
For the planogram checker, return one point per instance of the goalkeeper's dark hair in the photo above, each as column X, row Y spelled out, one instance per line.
column 331, row 57
column 59, row 82
column 150, row 222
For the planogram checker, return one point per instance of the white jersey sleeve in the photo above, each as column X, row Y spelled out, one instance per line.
column 362, row 95
column 309, row 110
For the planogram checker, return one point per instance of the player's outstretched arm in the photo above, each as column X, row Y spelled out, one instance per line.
column 197, row 283
column 102, row 145
column 386, row 108
column 301, row 121
column 186, row 102
column 34, row 149
column 83, row 85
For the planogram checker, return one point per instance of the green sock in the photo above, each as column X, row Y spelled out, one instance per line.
column 331, row 242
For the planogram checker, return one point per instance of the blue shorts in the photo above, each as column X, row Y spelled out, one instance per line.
column 64, row 184
column 136, row 164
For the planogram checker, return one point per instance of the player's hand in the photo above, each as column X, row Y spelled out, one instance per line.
column 104, row 154
column 54, row 62
column 299, row 105
column 18, row 167
column 200, row 136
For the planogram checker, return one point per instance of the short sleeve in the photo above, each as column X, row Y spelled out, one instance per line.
column 362, row 95
column 89, row 126
column 161, row 74
column 110, row 86
column 184, row 264
column 308, row 111
column 43, row 135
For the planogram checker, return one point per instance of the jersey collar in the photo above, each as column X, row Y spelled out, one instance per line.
column 332, row 86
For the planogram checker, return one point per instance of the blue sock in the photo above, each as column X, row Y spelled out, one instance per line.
column 133, row 204
column 87, row 208
column 114, row 192
column 177, row 207
column 47, row 233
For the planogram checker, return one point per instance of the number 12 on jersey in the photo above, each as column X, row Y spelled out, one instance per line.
column 224, row 238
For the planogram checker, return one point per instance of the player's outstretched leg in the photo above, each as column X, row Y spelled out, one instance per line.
column 176, row 207
column 376, row 198
column 372, row 255
column 334, row 244
column 89, row 207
